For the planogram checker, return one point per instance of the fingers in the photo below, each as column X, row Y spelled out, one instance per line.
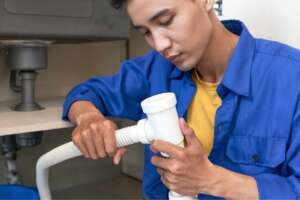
column 174, row 150
column 96, row 139
column 171, row 165
column 78, row 143
column 99, row 143
column 175, row 183
column 188, row 132
column 109, row 138
column 167, row 176
column 160, row 162
column 167, row 148
column 84, row 141
column 118, row 156
column 88, row 140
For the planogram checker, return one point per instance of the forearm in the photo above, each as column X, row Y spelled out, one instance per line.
column 80, row 108
column 232, row 185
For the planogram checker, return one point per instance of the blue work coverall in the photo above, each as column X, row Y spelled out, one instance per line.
column 257, row 127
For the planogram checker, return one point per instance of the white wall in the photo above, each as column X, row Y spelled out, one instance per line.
column 272, row 19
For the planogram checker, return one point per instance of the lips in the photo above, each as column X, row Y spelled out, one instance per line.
column 173, row 58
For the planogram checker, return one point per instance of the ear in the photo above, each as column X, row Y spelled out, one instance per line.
column 209, row 4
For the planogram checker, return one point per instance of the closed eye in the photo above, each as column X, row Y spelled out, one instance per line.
column 146, row 33
column 166, row 22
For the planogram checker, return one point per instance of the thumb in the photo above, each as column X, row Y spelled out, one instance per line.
column 119, row 154
column 187, row 132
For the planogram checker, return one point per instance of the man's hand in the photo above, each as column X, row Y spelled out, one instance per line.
column 94, row 135
column 188, row 170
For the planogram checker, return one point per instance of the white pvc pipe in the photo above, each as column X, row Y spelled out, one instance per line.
column 162, row 123
column 125, row 136
column 163, row 119
column 53, row 157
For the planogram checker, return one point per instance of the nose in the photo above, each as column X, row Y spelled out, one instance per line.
column 161, row 43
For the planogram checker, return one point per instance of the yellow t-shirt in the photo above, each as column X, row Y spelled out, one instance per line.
column 201, row 113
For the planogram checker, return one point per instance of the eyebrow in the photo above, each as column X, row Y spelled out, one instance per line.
column 153, row 18
column 159, row 14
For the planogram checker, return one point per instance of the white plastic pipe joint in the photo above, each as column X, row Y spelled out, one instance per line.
column 162, row 123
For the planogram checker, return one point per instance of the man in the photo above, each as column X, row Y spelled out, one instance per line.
column 239, row 96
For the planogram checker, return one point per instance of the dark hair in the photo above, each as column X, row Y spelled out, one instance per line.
column 117, row 3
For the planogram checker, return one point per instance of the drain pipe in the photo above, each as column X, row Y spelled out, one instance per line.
column 162, row 119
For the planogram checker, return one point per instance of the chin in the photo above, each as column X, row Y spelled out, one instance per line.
column 184, row 68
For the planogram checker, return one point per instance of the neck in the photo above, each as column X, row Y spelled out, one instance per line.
column 215, row 60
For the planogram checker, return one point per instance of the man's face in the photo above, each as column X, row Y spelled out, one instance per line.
column 178, row 29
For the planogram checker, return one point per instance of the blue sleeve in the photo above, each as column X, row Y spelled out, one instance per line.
column 118, row 95
column 287, row 184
